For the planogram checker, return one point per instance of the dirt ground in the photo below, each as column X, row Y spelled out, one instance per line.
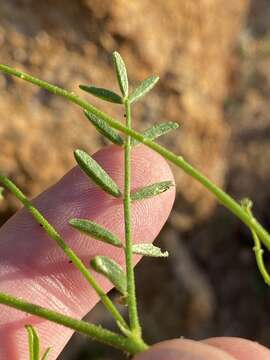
column 214, row 62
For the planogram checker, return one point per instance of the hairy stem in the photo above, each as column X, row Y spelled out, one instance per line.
column 132, row 303
column 131, row 345
column 67, row 250
column 222, row 197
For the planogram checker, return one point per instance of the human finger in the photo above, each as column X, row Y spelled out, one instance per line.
column 34, row 268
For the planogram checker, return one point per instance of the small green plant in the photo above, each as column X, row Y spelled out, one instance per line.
column 129, row 338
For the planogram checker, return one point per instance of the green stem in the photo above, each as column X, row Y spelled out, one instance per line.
column 222, row 197
column 257, row 245
column 259, row 257
column 67, row 250
column 132, row 303
column 130, row 345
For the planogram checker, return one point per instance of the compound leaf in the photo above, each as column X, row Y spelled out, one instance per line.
column 121, row 73
column 96, row 173
column 151, row 190
column 112, row 271
column 104, row 129
column 103, row 94
column 148, row 250
column 96, row 231
column 143, row 88
column 157, row 130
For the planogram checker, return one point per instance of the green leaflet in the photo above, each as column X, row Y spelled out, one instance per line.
column 33, row 343
column 96, row 173
column 104, row 129
column 121, row 73
column 157, row 130
column 96, row 231
column 112, row 271
column 143, row 88
column 148, row 250
column 103, row 94
column 151, row 190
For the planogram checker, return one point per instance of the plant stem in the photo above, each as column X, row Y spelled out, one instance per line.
column 132, row 303
column 67, row 250
column 131, row 345
column 222, row 197
column 258, row 250
column 259, row 257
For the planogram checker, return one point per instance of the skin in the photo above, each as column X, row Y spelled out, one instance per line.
column 33, row 268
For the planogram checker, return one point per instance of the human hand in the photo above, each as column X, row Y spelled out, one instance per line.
column 32, row 267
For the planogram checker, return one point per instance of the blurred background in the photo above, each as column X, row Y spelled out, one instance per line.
column 213, row 58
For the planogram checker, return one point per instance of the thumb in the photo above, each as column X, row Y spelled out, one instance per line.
column 34, row 268
column 184, row 350
column 222, row 348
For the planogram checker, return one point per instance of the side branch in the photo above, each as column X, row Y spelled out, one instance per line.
column 93, row 331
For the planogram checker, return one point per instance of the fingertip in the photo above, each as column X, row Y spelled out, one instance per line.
column 179, row 349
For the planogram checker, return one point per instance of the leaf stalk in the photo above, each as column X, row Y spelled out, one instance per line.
column 132, row 303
